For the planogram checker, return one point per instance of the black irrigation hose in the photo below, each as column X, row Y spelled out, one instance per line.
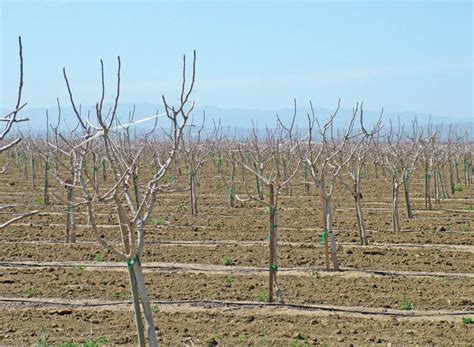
column 232, row 269
column 244, row 305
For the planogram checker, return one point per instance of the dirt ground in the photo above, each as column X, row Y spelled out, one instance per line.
column 412, row 287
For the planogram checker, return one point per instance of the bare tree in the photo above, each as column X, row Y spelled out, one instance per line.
column 132, row 212
column 195, row 150
column 9, row 120
column 325, row 160
column 247, row 155
column 400, row 155
column 350, row 176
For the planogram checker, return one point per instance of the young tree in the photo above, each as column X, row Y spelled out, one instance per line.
column 400, row 155
column 325, row 160
column 350, row 176
column 195, row 150
column 9, row 120
column 133, row 209
column 276, row 141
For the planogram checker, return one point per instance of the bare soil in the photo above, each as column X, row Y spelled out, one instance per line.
column 436, row 248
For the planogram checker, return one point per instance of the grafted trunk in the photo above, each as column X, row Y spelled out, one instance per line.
column 193, row 192
column 70, row 217
column 466, row 173
column 451, row 177
column 259, row 183
column 306, row 182
column 95, row 172
column 406, row 188
column 456, row 170
column 137, row 307
column 288, row 186
column 220, row 167
column 273, row 247
column 46, row 183
column 33, row 171
column 136, row 268
column 325, row 233
column 25, row 168
column 395, row 212
column 428, row 170
column 136, row 185
column 436, row 187
column 360, row 214
column 231, row 193
column 104, row 171
column 332, row 239
column 444, row 187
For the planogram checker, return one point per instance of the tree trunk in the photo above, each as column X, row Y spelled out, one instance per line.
column 466, row 171
column 306, row 182
column 406, row 187
column 104, row 171
column 258, row 182
column 428, row 170
column 137, row 308
column 288, row 188
column 360, row 215
column 395, row 213
column 456, row 170
column 451, row 177
column 33, row 172
column 95, row 172
column 325, row 230
column 46, row 184
column 436, row 187
column 273, row 244
column 70, row 217
column 221, row 167
column 25, row 168
column 231, row 193
column 332, row 239
column 193, row 184
column 150, row 323
column 444, row 187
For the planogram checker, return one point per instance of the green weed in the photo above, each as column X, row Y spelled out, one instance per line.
column 30, row 292
column 38, row 202
column 228, row 280
column 155, row 221
column 125, row 295
column 406, row 305
column 229, row 261
column 155, row 308
column 99, row 257
column 263, row 297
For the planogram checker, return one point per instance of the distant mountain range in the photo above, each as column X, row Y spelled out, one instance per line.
column 240, row 118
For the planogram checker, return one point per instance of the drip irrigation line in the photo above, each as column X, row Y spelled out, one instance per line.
column 203, row 268
column 248, row 305
column 249, row 243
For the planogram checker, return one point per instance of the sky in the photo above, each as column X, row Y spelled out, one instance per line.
column 400, row 55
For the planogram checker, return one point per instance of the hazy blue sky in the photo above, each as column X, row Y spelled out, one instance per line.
column 401, row 55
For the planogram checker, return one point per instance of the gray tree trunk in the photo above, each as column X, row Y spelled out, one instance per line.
column 395, row 212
